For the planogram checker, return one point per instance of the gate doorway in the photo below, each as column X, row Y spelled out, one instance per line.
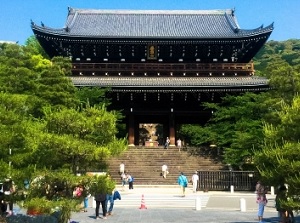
column 151, row 134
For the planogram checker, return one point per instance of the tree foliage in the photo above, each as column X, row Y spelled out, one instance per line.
column 235, row 127
column 90, row 96
column 237, row 123
column 278, row 161
column 46, row 127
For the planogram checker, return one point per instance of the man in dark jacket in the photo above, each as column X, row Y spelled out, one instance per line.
column 8, row 190
column 3, row 205
column 100, row 198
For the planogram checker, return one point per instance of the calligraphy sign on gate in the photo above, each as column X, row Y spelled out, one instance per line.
column 152, row 52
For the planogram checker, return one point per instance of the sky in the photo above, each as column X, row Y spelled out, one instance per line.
column 15, row 15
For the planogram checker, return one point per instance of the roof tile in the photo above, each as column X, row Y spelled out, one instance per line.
column 166, row 82
column 155, row 23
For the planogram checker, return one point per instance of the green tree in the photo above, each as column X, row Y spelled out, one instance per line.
column 237, row 122
column 279, row 61
column 46, row 136
column 90, row 96
column 34, row 47
column 235, row 127
column 43, row 117
column 54, row 87
column 46, row 81
column 278, row 161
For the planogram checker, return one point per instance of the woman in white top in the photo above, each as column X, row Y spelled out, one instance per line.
column 195, row 179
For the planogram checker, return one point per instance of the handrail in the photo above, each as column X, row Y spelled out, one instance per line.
column 163, row 67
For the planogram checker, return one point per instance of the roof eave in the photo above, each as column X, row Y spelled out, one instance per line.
column 67, row 34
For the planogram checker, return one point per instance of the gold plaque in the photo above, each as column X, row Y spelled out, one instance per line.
column 152, row 52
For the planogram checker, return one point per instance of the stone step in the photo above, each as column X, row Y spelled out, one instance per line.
column 144, row 164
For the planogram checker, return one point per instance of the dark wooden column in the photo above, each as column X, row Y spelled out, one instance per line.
column 172, row 129
column 136, row 132
column 131, row 130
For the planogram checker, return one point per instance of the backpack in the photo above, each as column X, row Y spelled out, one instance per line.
column 183, row 179
column 185, row 182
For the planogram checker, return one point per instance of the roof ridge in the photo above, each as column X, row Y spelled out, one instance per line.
column 134, row 11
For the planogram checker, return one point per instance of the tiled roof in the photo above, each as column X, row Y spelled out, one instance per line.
column 171, row 82
column 152, row 23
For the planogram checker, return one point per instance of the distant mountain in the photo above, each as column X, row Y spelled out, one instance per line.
column 279, row 51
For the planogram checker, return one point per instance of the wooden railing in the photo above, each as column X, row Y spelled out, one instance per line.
column 163, row 67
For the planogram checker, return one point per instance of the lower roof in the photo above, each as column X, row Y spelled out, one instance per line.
column 175, row 83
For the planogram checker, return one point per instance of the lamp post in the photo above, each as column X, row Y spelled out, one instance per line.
column 9, row 162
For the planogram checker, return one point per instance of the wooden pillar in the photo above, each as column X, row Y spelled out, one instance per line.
column 131, row 130
column 136, row 132
column 172, row 129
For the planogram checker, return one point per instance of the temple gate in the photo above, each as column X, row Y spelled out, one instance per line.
column 160, row 65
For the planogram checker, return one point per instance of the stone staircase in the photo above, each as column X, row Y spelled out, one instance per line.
column 144, row 164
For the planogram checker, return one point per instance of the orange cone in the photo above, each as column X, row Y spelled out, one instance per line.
column 143, row 206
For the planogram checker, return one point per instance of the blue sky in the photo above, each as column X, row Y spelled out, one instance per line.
column 15, row 15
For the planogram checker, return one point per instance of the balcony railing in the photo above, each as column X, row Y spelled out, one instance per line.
column 164, row 67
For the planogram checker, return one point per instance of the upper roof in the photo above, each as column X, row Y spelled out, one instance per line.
column 152, row 24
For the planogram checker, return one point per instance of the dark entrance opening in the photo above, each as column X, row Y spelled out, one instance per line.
column 151, row 134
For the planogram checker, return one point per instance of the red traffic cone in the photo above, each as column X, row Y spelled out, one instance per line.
column 143, row 206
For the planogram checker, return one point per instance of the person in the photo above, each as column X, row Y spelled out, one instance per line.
column 183, row 183
column 179, row 144
column 110, row 199
column 167, row 143
column 124, row 179
column 195, row 179
column 80, row 191
column 261, row 199
column 8, row 190
column 281, row 197
column 86, row 198
column 100, row 198
column 85, row 203
column 130, row 181
column 164, row 170
column 3, row 205
column 122, row 168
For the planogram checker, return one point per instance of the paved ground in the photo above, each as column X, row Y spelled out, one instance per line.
column 125, row 215
column 164, row 204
